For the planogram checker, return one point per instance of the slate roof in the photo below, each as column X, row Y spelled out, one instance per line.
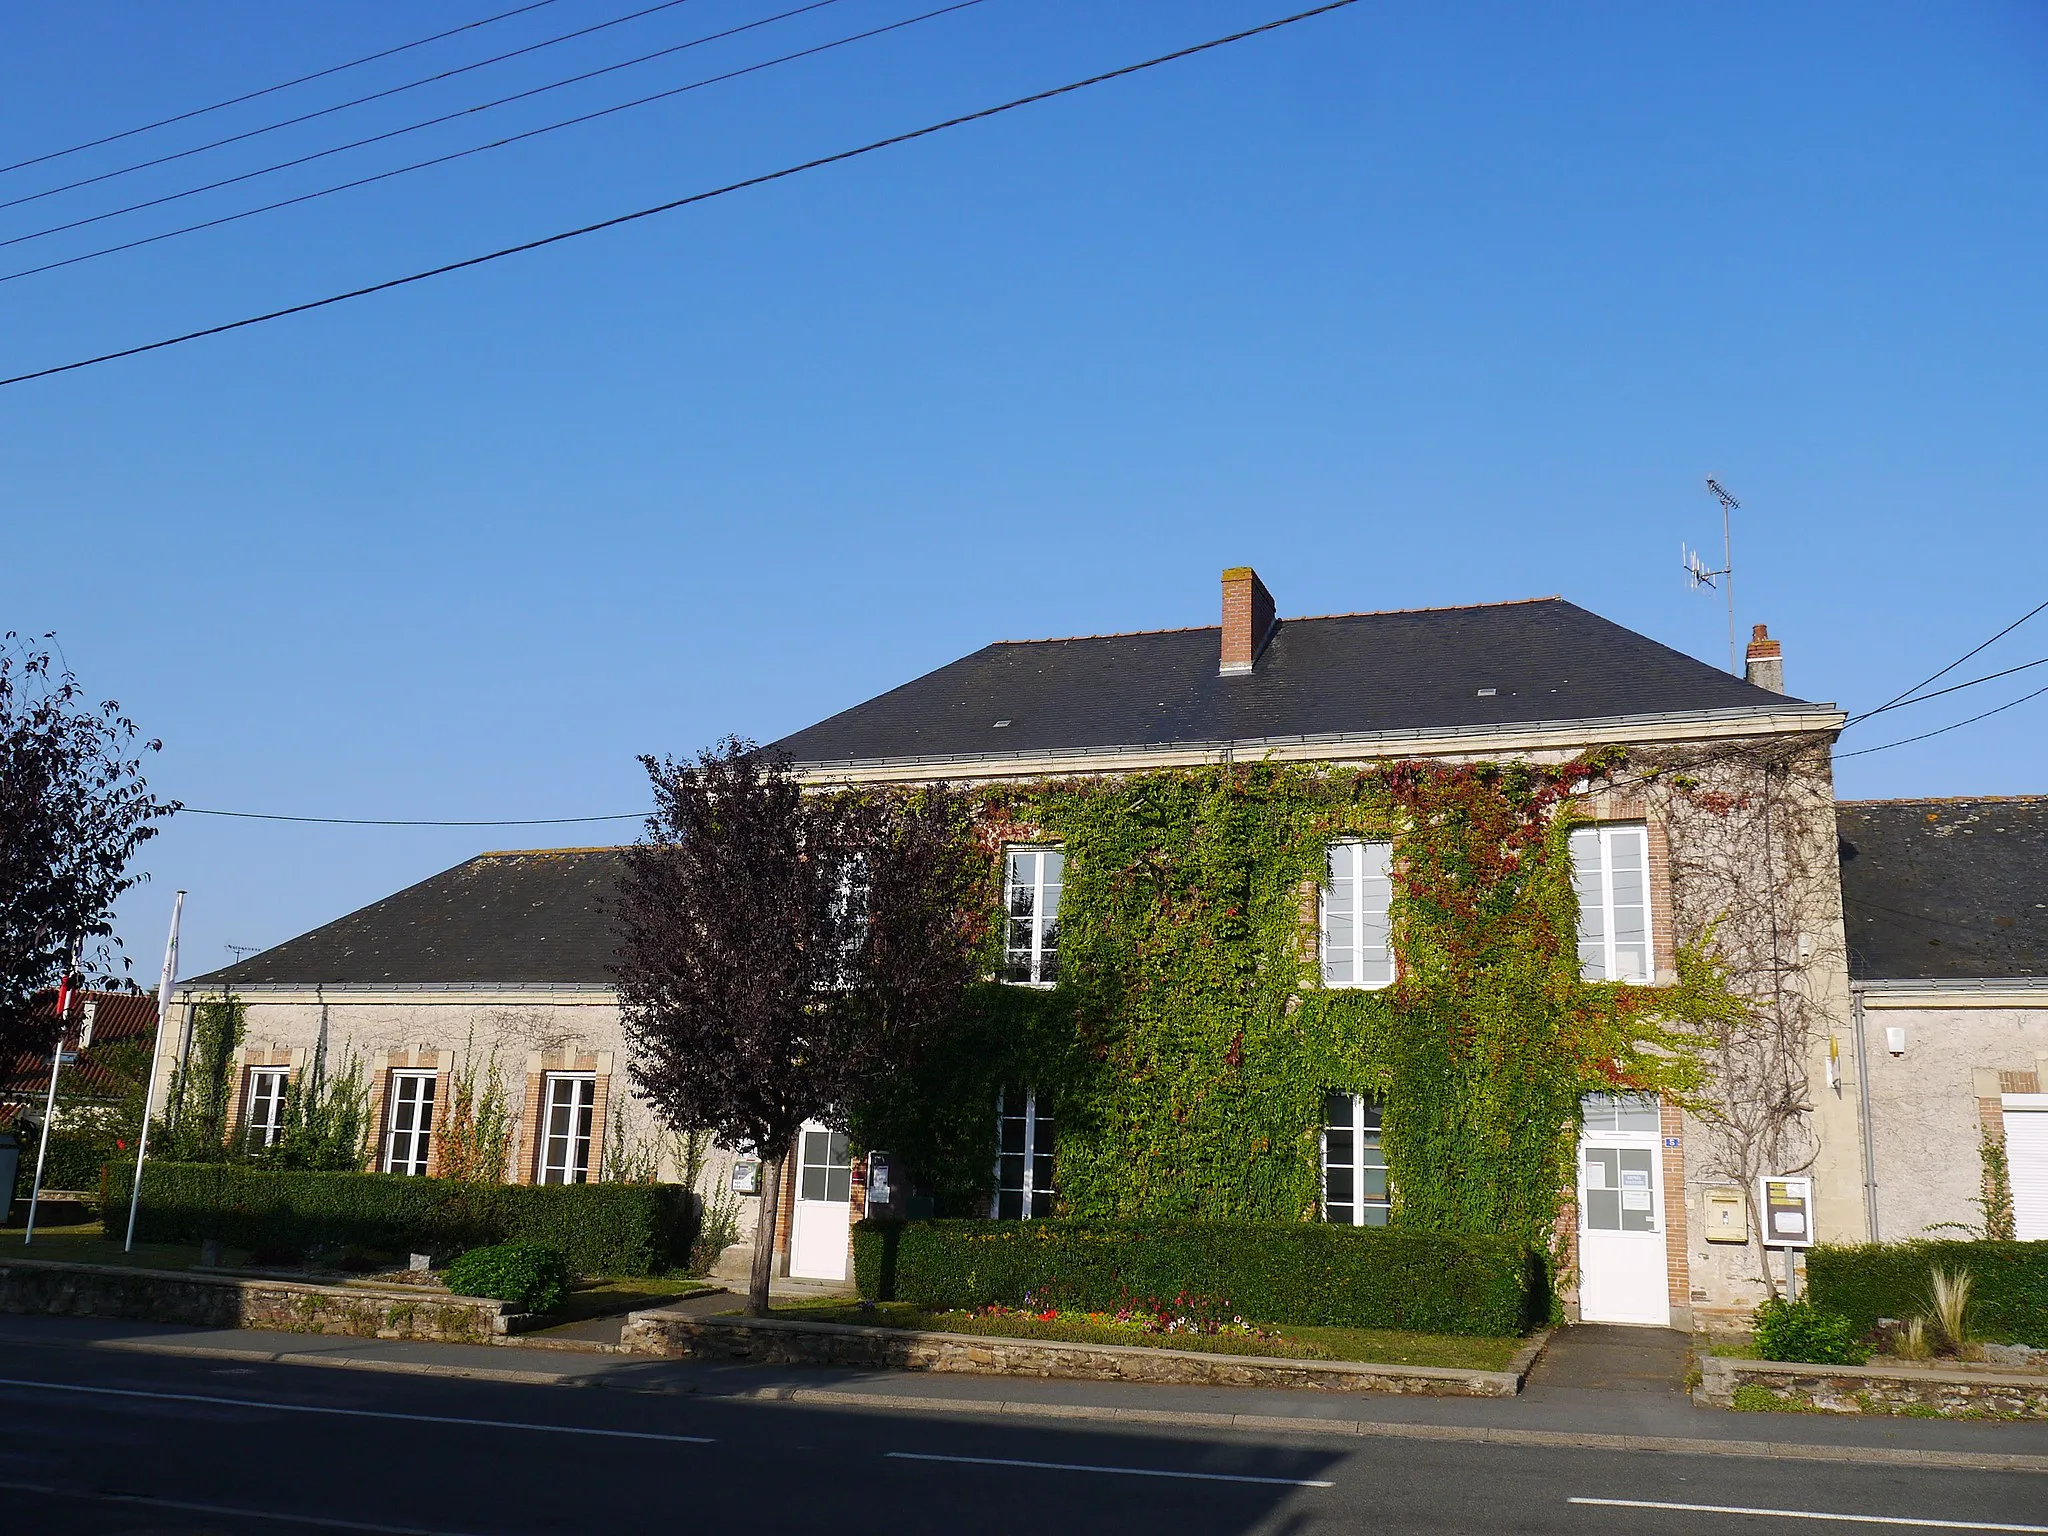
column 1499, row 664
column 1945, row 889
column 500, row 919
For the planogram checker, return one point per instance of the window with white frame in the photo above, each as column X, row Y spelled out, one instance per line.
column 409, row 1123
column 264, row 1122
column 1611, row 872
column 1357, row 933
column 1355, row 1192
column 1031, row 898
column 1024, row 1171
column 567, row 1102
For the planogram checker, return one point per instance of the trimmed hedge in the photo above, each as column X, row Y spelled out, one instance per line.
column 601, row 1229
column 1299, row 1272
column 532, row 1276
column 2008, row 1301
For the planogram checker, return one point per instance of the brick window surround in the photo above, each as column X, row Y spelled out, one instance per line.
column 257, row 1056
column 529, row 1143
column 419, row 1058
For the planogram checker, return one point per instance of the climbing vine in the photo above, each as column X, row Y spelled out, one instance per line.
column 1187, row 1049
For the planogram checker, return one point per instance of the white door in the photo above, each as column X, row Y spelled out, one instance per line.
column 821, row 1228
column 1623, row 1269
column 2026, row 1163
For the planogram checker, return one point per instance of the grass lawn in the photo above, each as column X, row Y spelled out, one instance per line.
column 67, row 1232
column 606, row 1298
column 1379, row 1346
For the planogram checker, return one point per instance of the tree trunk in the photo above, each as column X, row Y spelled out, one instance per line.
column 764, row 1234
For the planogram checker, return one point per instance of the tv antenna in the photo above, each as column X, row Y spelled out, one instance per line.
column 241, row 952
column 1698, row 575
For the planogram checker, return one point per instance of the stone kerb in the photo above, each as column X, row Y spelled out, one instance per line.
column 778, row 1341
column 1892, row 1388
column 45, row 1287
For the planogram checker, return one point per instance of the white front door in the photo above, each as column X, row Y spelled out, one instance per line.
column 820, row 1230
column 2026, row 1162
column 1623, row 1268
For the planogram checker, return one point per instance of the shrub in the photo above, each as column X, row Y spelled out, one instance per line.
column 601, row 1229
column 532, row 1276
column 1867, row 1281
column 1298, row 1272
column 1801, row 1331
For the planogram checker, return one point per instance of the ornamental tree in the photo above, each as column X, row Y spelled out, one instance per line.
column 783, row 952
column 73, row 811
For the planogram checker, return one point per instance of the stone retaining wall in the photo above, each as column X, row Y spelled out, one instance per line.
column 776, row 1341
column 228, row 1301
column 1892, row 1388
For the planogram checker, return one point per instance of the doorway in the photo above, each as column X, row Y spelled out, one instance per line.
column 1623, row 1267
column 821, row 1227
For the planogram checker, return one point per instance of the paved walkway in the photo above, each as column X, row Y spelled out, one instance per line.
column 1603, row 1388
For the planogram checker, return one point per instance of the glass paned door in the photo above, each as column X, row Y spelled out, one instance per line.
column 565, row 1138
column 1024, row 1161
column 409, row 1123
column 1355, row 1190
column 822, row 1224
column 266, row 1104
column 1624, row 1269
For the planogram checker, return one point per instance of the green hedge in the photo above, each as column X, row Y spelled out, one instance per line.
column 1299, row 1272
column 2008, row 1300
column 602, row 1229
column 532, row 1276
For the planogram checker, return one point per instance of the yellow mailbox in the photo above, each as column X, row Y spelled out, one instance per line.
column 1727, row 1216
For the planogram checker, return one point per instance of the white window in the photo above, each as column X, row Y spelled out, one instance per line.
column 409, row 1123
column 266, row 1105
column 1031, row 897
column 824, row 1166
column 567, row 1101
column 1354, row 1163
column 1357, row 936
column 1611, row 872
column 1024, row 1172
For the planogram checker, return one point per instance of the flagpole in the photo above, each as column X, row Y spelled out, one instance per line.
column 35, row 1190
column 163, row 1011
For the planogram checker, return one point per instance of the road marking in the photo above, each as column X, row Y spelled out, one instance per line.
column 357, row 1413
column 325, row 1522
column 1081, row 1466
column 1814, row 1514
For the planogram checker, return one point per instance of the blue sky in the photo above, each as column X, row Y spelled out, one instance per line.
column 1404, row 306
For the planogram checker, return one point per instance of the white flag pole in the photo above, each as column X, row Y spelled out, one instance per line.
column 35, row 1191
column 156, row 1056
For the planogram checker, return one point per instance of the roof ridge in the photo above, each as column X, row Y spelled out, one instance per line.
column 1367, row 613
column 1947, row 800
column 519, row 853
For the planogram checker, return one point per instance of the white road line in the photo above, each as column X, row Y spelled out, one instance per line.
column 324, row 1522
column 356, row 1413
column 1081, row 1466
column 1814, row 1514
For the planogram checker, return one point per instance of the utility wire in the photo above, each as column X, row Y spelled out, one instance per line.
column 1924, row 735
column 271, row 90
column 460, row 154
column 693, row 198
column 1944, row 672
column 342, row 106
column 382, row 821
column 1989, row 677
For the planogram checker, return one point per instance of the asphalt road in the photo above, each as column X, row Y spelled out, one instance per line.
column 93, row 1441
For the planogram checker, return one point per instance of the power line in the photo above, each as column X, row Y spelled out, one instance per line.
column 1989, row 677
column 383, row 821
column 1944, row 730
column 271, row 90
column 682, row 202
column 343, row 106
column 1944, row 672
column 460, row 154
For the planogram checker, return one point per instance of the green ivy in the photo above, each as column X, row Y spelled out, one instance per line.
column 1189, row 1043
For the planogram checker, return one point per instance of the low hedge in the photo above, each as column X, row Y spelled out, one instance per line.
column 601, row 1229
column 1301, row 1273
column 2008, row 1296
column 532, row 1276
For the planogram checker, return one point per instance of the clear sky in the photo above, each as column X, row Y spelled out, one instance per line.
column 1408, row 305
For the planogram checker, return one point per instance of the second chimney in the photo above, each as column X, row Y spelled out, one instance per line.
column 1766, row 666
column 1247, row 619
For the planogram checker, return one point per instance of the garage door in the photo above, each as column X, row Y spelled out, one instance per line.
column 2026, row 1156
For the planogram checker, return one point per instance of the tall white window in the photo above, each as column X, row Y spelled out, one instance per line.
column 567, row 1104
column 1031, row 898
column 1357, row 935
column 1354, row 1163
column 266, row 1104
column 409, row 1123
column 1611, row 872
column 1024, row 1172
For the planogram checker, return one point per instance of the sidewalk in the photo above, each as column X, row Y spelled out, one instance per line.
column 1600, row 1388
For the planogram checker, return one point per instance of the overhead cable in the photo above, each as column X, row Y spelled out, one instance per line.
column 272, row 90
column 1944, row 672
column 1922, row 698
column 745, row 183
column 385, row 821
column 1944, row 730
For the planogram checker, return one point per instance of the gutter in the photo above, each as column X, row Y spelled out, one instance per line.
column 1863, row 1093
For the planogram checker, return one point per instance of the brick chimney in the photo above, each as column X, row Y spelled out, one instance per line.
column 1248, row 620
column 1766, row 666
